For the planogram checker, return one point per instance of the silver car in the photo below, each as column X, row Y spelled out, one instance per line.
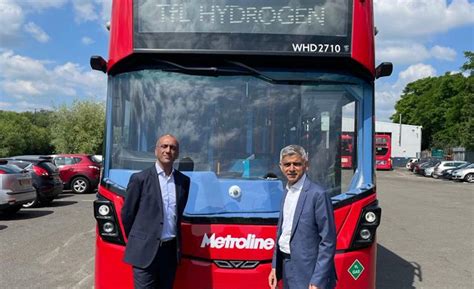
column 16, row 188
column 438, row 171
column 466, row 174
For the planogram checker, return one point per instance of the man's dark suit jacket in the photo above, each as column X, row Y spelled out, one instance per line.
column 142, row 215
column 312, row 241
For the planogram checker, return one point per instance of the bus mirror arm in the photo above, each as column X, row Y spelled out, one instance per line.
column 384, row 69
column 98, row 63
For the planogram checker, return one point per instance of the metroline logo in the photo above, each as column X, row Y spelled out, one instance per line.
column 228, row 242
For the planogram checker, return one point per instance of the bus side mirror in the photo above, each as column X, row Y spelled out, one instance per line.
column 384, row 69
column 98, row 63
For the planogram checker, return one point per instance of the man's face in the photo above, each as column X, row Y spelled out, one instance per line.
column 293, row 167
column 167, row 150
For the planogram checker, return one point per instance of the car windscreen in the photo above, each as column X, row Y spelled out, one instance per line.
column 49, row 166
column 380, row 151
column 10, row 169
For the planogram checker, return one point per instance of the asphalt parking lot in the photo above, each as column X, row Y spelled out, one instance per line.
column 425, row 238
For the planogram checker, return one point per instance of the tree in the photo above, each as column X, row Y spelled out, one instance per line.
column 444, row 106
column 79, row 128
column 20, row 135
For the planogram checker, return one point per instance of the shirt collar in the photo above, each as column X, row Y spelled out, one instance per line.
column 159, row 170
column 298, row 185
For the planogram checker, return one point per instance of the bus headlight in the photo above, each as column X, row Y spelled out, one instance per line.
column 107, row 222
column 365, row 234
column 108, row 227
column 104, row 210
column 370, row 217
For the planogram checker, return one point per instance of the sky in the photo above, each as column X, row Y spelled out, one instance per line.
column 45, row 47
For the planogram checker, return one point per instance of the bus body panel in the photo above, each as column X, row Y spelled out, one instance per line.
column 363, row 48
column 345, row 260
column 110, row 270
column 121, row 31
column 348, row 229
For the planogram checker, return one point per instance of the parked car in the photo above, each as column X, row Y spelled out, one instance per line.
column 446, row 165
column 466, row 174
column 428, row 170
column 420, row 167
column 16, row 188
column 448, row 173
column 410, row 161
column 45, row 175
column 79, row 172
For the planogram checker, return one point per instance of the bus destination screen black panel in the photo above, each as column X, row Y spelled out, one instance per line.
column 246, row 26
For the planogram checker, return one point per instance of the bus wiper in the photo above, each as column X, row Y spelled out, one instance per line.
column 273, row 80
column 208, row 71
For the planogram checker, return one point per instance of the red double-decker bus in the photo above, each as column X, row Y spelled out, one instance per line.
column 347, row 150
column 383, row 151
column 235, row 81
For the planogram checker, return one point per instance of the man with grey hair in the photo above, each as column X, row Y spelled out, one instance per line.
column 306, row 237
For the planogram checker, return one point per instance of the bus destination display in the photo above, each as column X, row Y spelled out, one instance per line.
column 280, row 25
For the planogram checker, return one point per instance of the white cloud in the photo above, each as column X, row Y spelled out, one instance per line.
column 42, row 4
column 87, row 40
column 386, row 95
column 85, row 10
column 443, row 53
column 415, row 72
column 37, row 32
column 29, row 79
column 402, row 52
column 415, row 18
column 11, row 19
column 409, row 52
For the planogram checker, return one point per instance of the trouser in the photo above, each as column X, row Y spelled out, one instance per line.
column 162, row 270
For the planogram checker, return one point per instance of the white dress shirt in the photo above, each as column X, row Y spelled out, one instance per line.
column 168, row 194
column 289, row 208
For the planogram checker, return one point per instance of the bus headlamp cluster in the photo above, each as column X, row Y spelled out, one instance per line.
column 107, row 223
column 367, row 226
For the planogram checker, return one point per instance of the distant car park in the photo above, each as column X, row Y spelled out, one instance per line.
column 16, row 188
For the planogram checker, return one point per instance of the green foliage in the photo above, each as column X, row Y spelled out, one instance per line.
column 443, row 106
column 79, row 128
column 21, row 133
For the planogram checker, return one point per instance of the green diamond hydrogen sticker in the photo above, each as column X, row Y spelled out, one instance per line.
column 356, row 269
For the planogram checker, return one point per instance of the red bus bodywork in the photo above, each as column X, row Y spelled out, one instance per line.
column 196, row 269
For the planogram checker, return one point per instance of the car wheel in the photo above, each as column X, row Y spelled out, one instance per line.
column 469, row 178
column 80, row 185
column 33, row 203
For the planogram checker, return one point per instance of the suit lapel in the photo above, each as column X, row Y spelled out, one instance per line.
column 299, row 206
column 178, row 186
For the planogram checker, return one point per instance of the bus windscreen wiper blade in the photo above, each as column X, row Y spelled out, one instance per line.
column 212, row 71
column 270, row 79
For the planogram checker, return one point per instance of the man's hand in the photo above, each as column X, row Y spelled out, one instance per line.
column 272, row 279
column 311, row 286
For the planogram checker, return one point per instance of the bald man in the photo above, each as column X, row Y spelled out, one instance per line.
column 151, row 216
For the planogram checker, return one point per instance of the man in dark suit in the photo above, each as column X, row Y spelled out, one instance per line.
column 151, row 217
column 306, row 238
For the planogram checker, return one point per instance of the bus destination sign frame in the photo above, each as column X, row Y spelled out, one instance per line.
column 285, row 27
